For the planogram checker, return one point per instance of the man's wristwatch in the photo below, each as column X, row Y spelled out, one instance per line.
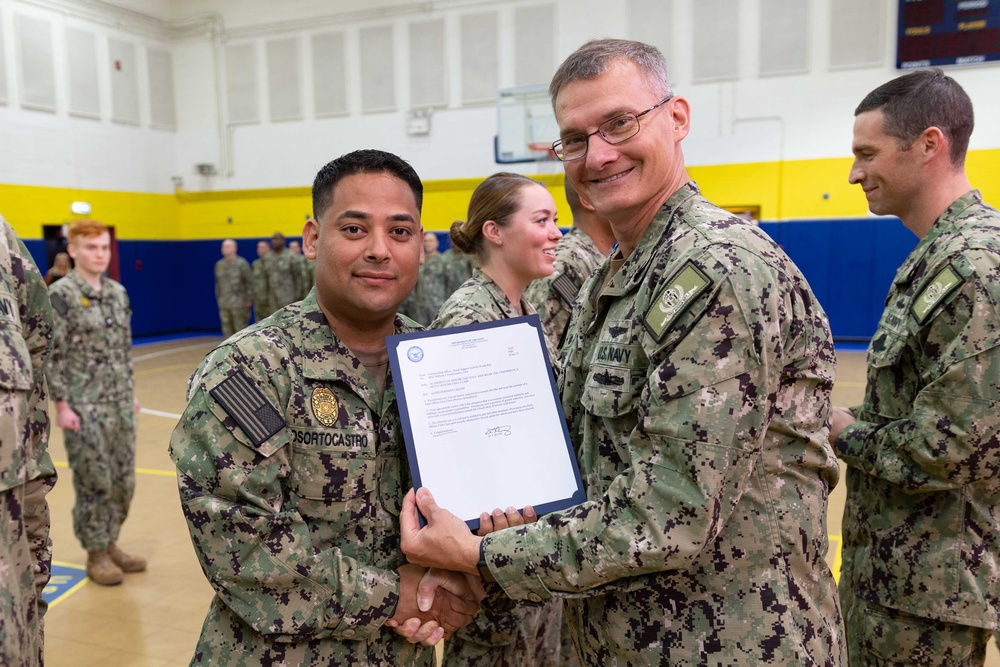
column 482, row 566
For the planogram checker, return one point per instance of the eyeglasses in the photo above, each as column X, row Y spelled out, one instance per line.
column 614, row 131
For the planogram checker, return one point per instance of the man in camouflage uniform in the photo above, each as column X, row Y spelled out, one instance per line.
column 431, row 291
column 233, row 289
column 26, row 470
column 921, row 574
column 261, row 306
column 90, row 380
column 453, row 269
column 580, row 251
column 697, row 375
column 284, row 275
column 290, row 454
column 306, row 273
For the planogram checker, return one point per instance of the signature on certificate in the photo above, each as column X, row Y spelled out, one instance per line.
column 494, row 431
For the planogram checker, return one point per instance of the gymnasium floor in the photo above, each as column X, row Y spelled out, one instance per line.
column 154, row 618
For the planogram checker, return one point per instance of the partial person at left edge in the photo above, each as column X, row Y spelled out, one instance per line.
column 26, row 470
column 91, row 382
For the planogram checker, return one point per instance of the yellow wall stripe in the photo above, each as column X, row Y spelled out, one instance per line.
column 785, row 190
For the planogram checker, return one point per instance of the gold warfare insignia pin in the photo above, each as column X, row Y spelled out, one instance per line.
column 85, row 302
column 944, row 283
column 683, row 288
column 324, row 406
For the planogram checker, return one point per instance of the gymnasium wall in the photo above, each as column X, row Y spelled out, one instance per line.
column 182, row 122
column 169, row 244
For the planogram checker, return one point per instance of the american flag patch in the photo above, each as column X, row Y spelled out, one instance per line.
column 565, row 288
column 243, row 401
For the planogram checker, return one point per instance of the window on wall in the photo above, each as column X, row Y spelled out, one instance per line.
column 162, row 107
column 428, row 86
column 38, row 78
column 480, row 59
column 284, row 100
column 124, row 81
column 857, row 33
column 3, row 67
column 650, row 21
column 329, row 74
column 534, row 37
column 716, row 40
column 784, row 37
column 378, row 74
column 81, row 64
column 241, row 83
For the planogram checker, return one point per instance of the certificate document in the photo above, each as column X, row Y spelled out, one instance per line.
column 482, row 418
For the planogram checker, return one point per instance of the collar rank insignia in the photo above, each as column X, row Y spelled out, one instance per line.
column 324, row 406
column 682, row 289
column 944, row 283
column 85, row 302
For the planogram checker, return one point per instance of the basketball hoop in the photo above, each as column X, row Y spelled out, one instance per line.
column 542, row 151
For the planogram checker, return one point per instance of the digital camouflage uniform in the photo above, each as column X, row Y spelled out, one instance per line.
column 261, row 299
column 26, row 471
column 430, row 292
column 922, row 518
column 697, row 391
column 91, row 369
column 455, row 268
column 577, row 256
column 233, row 291
column 292, row 473
column 527, row 634
column 284, row 278
column 308, row 275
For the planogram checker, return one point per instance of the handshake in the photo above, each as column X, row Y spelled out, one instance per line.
column 435, row 602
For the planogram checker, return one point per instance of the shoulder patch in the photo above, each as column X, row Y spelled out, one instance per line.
column 59, row 304
column 564, row 287
column 682, row 289
column 246, row 404
column 944, row 283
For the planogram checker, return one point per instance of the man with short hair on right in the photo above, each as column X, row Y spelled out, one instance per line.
column 920, row 584
column 579, row 253
column 233, row 289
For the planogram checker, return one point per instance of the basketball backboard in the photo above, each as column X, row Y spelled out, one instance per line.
column 525, row 120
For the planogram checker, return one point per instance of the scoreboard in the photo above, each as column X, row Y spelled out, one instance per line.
column 947, row 32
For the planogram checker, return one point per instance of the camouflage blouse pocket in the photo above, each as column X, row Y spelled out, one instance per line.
column 327, row 483
column 391, row 485
column 886, row 348
column 611, row 391
column 15, row 359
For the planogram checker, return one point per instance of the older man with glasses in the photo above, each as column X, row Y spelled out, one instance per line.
column 698, row 371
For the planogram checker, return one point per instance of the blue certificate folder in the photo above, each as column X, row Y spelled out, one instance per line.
column 482, row 418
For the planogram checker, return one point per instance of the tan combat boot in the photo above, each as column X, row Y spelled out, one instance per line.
column 102, row 570
column 127, row 562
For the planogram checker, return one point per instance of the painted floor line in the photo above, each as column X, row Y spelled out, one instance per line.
column 140, row 471
column 174, row 350
column 159, row 413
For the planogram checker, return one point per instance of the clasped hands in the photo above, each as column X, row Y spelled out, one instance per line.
column 440, row 589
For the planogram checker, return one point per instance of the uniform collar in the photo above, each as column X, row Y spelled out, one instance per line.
column 634, row 268
column 944, row 223
column 498, row 296
column 326, row 358
column 85, row 287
